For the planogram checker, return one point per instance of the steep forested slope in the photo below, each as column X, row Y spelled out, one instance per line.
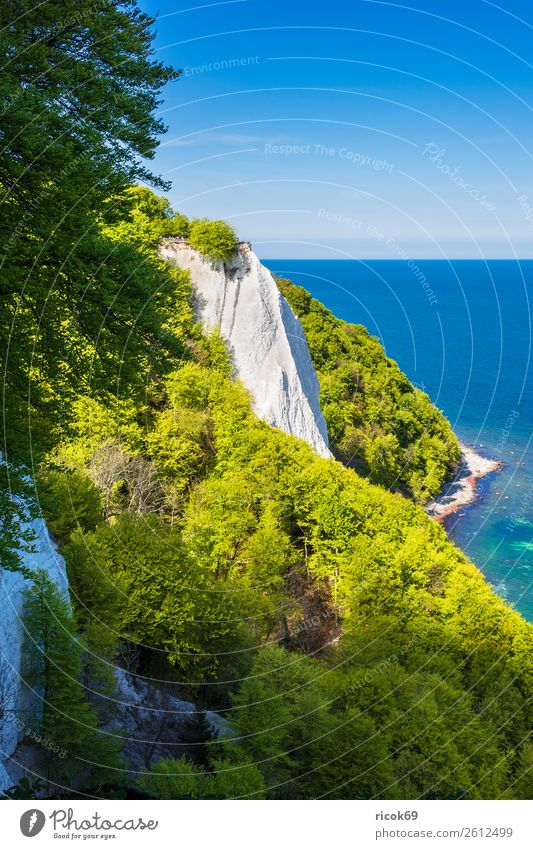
column 378, row 422
column 219, row 538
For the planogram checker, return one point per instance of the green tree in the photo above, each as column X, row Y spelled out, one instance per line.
column 75, row 749
column 180, row 779
column 524, row 778
column 215, row 239
column 166, row 600
column 78, row 90
column 199, row 733
column 68, row 500
column 147, row 219
column 280, row 714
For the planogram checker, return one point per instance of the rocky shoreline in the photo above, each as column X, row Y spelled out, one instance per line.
column 462, row 489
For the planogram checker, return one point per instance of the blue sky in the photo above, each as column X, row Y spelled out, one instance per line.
column 353, row 129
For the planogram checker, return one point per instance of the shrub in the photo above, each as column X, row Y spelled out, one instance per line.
column 179, row 225
column 181, row 779
column 215, row 239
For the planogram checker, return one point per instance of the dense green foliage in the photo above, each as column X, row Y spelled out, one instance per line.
column 68, row 501
column 181, row 779
column 52, row 667
column 215, row 239
column 222, row 535
column 354, row 651
column 81, row 77
column 425, row 694
column 163, row 598
column 150, row 219
column 377, row 421
column 219, row 536
column 78, row 88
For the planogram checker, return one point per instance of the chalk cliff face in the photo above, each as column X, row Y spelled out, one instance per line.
column 265, row 338
column 14, row 697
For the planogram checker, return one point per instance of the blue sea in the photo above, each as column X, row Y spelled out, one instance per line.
column 461, row 331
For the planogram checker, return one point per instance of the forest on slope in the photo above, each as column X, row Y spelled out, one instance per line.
column 378, row 422
column 354, row 650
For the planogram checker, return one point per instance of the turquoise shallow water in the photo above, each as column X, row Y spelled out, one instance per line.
column 462, row 331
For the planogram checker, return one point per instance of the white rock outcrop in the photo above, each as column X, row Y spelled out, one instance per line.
column 265, row 338
column 13, row 587
column 149, row 720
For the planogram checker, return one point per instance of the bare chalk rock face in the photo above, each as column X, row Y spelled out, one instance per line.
column 265, row 338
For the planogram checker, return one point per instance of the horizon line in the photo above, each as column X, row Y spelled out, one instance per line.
column 398, row 259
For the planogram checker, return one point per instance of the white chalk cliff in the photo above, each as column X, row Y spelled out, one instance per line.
column 13, row 587
column 265, row 338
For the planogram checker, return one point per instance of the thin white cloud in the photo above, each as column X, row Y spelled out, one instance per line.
column 229, row 139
